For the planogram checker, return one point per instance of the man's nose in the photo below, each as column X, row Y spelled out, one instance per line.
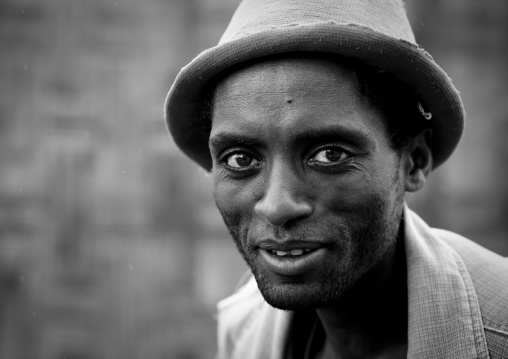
column 284, row 199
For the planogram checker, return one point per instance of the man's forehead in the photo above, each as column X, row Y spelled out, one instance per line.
column 309, row 85
column 287, row 73
column 293, row 97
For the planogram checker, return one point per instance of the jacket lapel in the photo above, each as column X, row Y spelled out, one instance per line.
column 444, row 314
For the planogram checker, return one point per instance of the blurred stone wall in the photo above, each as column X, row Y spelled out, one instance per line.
column 469, row 194
column 110, row 245
column 107, row 232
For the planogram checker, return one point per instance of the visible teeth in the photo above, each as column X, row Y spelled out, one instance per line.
column 294, row 252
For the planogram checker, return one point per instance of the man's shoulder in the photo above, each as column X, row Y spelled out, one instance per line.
column 238, row 310
column 489, row 274
column 488, row 270
column 248, row 327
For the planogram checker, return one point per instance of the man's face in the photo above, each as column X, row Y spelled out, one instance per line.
column 304, row 177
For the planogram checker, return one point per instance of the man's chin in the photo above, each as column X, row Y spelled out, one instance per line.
column 292, row 303
column 299, row 296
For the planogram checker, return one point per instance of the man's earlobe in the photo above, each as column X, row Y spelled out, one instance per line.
column 418, row 161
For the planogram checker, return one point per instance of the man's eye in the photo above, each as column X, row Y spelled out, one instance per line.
column 240, row 160
column 329, row 155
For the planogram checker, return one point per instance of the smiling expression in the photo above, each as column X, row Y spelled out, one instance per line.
column 304, row 177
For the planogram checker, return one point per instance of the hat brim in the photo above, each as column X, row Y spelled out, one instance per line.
column 409, row 62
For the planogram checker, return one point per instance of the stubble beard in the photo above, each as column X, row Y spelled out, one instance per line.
column 361, row 249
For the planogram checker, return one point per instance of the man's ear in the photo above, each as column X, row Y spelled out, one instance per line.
column 417, row 161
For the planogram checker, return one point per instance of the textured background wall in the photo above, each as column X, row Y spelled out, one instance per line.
column 110, row 245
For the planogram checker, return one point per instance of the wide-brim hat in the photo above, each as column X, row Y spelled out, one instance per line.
column 375, row 32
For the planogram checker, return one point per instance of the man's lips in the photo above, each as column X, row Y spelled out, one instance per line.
column 291, row 257
column 288, row 246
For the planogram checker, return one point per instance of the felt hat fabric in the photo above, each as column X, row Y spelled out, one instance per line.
column 376, row 32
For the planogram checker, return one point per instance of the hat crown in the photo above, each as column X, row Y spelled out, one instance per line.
column 255, row 16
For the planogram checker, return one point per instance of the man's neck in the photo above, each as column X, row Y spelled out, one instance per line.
column 370, row 320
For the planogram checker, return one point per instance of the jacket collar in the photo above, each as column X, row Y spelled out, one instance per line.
column 444, row 313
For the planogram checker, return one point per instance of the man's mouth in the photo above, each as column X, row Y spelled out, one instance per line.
column 291, row 257
column 292, row 247
column 292, row 253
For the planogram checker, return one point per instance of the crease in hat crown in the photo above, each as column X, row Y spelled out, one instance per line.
column 374, row 31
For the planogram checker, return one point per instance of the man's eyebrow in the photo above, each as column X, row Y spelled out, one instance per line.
column 223, row 139
column 354, row 136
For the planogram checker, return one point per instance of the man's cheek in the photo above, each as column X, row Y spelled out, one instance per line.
column 233, row 198
column 234, row 212
column 349, row 199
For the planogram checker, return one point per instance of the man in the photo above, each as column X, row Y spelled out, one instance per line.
column 315, row 118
